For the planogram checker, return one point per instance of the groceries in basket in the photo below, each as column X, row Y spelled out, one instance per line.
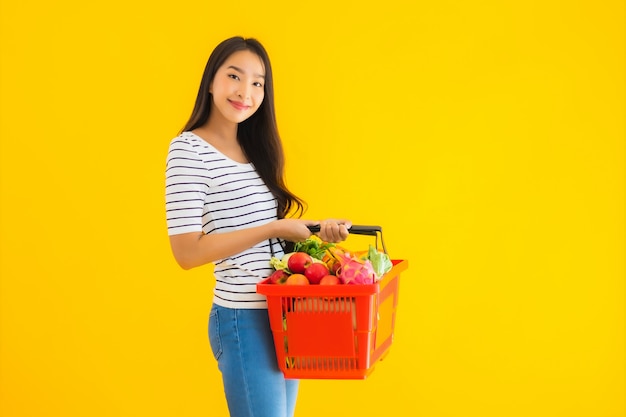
column 321, row 263
column 333, row 331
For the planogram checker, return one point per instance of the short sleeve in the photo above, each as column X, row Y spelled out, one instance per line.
column 185, row 187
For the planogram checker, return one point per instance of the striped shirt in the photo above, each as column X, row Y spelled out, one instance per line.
column 207, row 191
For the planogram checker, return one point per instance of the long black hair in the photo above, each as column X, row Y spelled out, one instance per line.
column 258, row 135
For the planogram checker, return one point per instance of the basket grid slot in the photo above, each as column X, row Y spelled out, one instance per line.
column 299, row 363
column 321, row 305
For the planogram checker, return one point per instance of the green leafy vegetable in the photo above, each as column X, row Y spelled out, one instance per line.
column 314, row 247
column 278, row 264
column 380, row 261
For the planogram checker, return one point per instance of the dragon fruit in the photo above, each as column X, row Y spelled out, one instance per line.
column 355, row 271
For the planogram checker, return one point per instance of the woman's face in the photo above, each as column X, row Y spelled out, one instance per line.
column 238, row 86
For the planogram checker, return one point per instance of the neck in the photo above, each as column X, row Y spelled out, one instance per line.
column 220, row 128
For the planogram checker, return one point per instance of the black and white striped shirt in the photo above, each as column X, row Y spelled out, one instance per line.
column 207, row 191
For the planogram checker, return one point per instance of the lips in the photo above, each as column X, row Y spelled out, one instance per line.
column 238, row 105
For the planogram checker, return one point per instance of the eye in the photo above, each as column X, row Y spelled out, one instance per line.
column 233, row 76
column 257, row 84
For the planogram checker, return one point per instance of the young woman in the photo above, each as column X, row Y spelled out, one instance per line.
column 227, row 204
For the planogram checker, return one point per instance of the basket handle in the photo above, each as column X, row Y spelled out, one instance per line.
column 356, row 229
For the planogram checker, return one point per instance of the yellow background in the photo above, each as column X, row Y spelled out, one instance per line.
column 486, row 137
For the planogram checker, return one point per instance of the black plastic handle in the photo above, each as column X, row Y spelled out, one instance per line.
column 357, row 229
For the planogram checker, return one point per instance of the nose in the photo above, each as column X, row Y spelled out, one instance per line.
column 244, row 92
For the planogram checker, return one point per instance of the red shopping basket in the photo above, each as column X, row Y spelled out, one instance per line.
column 335, row 331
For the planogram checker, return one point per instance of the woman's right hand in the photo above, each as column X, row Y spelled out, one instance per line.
column 294, row 230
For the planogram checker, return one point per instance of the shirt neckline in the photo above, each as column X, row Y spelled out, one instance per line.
column 247, row 164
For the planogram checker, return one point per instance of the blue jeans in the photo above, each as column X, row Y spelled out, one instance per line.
column 242, row 343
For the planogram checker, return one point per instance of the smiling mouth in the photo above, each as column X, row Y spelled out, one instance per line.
column 238, row 105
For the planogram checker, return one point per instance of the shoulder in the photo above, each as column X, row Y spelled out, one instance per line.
column 186, row 141
column 185, row 145
column 184, row 152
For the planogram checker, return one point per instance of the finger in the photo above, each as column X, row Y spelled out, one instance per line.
column 332, row 229
column 336, row 232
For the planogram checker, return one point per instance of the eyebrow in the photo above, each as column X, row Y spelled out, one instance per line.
column 241, row 71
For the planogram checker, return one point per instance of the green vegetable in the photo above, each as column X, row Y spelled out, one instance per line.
column 314, row 247
column 278, row 264
column 380, row 261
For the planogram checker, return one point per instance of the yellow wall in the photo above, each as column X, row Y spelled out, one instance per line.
column 486, row 137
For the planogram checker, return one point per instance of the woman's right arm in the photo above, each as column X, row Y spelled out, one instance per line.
column 196, row 248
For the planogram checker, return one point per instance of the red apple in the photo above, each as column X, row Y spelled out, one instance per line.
column 297, row 279
column 279, row 276
column 315, row 272
column 329, row 280
column 298, row 262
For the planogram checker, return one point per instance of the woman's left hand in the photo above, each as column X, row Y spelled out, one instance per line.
column 333, row 230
